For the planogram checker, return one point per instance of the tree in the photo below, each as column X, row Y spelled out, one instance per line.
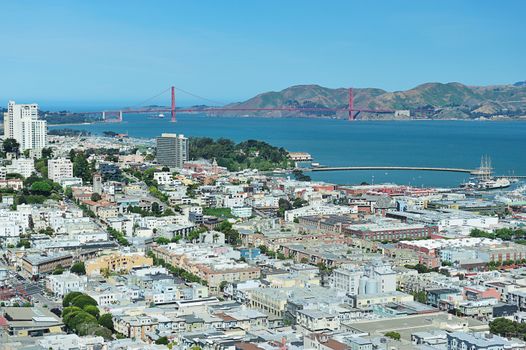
column 223, row 285
column 23, row 243
column 162, row 341
column 299, row 202
column 102, row 332
column 83, row 300
column 503, row 327
column 106, row 320
column 59, row 270
column 92, row 310
column 11, row 146
column 421, row 296
column 155, row 208
column 70, row 309
column 283, row 205
column 47, row 153
column 95, row 197
column 162, row 240
column 41, row 188
column 79, row 268
column 393, row 335
column 66, row 301
column 81, row 167
column 47, row 231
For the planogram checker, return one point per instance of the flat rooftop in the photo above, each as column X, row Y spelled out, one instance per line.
column 406, row 325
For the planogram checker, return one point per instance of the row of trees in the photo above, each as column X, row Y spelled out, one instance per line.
column 506, row 234
column 187, row 276
column 154, row 212
column 118, row 236
column 265, row 250
column 508, row 328
column 82, row 316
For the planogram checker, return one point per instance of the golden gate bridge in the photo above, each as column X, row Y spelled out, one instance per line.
column 117, row 115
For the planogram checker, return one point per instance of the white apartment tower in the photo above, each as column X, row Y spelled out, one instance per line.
column 22, row 124
column 60, row 168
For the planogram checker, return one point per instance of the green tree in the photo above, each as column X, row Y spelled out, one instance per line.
column 41, row 188
column 83, row 300
column 503, row 327
column 95, row 197
column 283, row 206
column 92, row 310
column 11, row 146
column 162, row 341
column 47, row 153
column 70, row 309
column 79, row 268
column 223, row 285
column 102, row 332
column 162, row 240
column 48, row 231
column 23, row 243
column 106, row 320
column 393, row 335
column 66, row 301
column 59, row 270
column 421, row 296
column 81, row 167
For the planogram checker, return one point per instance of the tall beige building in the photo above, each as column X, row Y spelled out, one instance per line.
column 22, row 124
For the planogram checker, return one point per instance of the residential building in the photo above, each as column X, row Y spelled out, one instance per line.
column 117, row 262
column 172, row 150
column 480, row 341
column 22, row 124
column 35, row 265
column 60, row 168
column 61, row 285
column 22, row 166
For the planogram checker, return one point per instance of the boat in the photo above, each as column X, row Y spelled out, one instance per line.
column 485, row 181
column 487, row 184
column 156, row 116
column 494, row 184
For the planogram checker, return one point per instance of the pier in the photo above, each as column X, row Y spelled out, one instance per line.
column 477, row 172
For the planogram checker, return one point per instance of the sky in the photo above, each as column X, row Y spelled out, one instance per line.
column 82, row 54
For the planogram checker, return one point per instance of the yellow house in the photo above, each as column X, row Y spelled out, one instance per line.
column 117, row 262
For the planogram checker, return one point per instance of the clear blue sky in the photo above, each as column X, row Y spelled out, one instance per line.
column 114, row 53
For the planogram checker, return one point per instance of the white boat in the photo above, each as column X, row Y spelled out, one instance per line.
column 494, row 184
column 488, row 184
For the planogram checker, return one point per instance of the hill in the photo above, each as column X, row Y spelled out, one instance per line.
column 429, row 100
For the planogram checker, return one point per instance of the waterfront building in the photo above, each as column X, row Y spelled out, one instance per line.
column 172, row 150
